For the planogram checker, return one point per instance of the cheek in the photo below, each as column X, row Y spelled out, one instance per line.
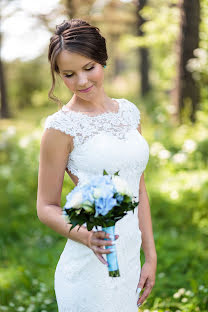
column 68, row 83
column 98, row 75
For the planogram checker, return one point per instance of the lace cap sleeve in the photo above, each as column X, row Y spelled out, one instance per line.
column 136, row 113
column 61, row 122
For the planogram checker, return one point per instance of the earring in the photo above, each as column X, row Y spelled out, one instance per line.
column 104, row 66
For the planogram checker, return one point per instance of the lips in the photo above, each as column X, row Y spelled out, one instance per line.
column 86, row 90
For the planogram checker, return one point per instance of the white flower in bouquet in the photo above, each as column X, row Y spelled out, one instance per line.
column 97, row 193
column 75, row 201
column 121, row 185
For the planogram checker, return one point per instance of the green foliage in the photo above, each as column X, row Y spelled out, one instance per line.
column 176, row 179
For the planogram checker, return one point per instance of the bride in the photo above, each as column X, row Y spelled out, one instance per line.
column 90, row 133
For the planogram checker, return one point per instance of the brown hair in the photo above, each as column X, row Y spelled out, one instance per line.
column 77, row 36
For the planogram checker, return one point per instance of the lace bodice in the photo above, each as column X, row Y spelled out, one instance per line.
column 107, row 141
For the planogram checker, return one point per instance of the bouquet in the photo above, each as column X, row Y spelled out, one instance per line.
column 102, row 201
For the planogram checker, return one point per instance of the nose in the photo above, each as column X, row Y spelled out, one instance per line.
column 82, row 80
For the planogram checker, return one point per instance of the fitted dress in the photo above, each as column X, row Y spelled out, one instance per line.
column 109, row 141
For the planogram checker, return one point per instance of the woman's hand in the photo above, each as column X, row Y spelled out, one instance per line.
column 147, row 280
column 96, row 242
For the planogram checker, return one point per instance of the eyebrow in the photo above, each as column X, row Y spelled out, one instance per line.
column 67, row 70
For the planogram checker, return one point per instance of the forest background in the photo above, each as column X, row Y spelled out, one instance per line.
column 158, row 59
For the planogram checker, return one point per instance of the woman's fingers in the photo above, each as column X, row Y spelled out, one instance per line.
column 100, row 257
column 145, row 294
column 98, row 240
column 101, row 250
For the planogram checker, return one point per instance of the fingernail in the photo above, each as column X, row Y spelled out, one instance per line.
column 138, row 290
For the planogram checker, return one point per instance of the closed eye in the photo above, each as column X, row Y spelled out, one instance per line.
column 68, row 76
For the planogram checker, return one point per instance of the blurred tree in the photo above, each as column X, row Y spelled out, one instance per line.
column 78, row 8
column 26, row 80
column 3, row 90
column 186, row 94
column 72, row 7
column 143, row 52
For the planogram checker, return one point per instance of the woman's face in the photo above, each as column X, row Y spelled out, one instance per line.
column 79, row 73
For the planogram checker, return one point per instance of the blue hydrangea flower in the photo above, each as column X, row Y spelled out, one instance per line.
column 106, row 189
column 104, row 205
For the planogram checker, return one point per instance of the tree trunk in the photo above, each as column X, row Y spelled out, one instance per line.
column 143, row 54
column 3, row 93
column 186, row 95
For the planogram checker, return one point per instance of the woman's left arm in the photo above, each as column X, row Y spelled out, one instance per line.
column 148, row 271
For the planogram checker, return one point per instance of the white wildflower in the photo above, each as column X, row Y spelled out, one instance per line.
column 189, row 146
column 161, row 117
column 176, row 295
column 179, row 158
column 171, row 109
column 184, row 299
column 31, row 308
column 6, row 171
column 155, row 148
column 161, row 274
column 11, row 304
column 47, row 301
column 189, row 293
column 164, row 154
column 181, row 291
column 24, row 141
column 10, row 132
column 174, row 194
column 200, row 53
column 34, row 281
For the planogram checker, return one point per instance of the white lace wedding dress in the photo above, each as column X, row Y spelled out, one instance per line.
column 112, row 142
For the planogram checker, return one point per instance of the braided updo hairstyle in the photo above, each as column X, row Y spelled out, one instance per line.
column 77, row 36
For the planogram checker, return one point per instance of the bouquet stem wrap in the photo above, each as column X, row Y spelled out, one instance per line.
column 113, row 268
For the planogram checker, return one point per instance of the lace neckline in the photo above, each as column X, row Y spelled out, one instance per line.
column 65, row 109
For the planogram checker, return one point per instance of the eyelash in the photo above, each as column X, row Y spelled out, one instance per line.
column 68, row 76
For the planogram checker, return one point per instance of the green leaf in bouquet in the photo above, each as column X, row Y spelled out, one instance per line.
column 116, row 174
column 87, row 207
column 126, row 199
column 105, row 172
column 90, row 226
column 74, row 224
